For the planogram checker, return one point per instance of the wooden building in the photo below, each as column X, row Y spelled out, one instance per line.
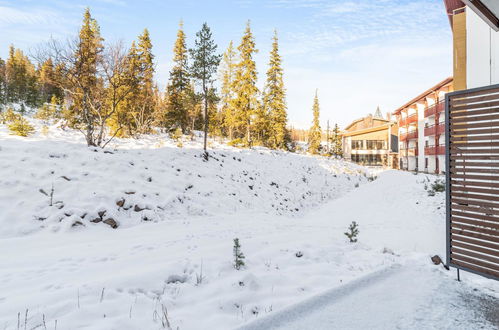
column 371, row 141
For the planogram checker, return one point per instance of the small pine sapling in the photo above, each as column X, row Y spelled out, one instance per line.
column 238, row 255
column 8, row 116
column 20, row 126
column 353, row 232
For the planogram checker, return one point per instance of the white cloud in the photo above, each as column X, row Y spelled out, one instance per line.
column 10, row 16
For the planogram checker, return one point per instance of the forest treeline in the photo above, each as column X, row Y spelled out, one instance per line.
column 108, row 90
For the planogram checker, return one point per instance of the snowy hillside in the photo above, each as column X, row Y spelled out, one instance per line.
column 169, row 263
column 135, row 181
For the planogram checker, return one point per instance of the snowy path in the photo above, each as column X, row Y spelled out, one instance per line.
column 399, row 297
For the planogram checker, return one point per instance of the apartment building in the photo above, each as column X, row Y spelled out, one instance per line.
column 372, row 141
column 421, row 130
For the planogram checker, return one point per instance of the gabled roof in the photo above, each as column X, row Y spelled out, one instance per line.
column 488, row 10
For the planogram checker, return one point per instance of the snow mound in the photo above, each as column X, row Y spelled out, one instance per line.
column 55, row 181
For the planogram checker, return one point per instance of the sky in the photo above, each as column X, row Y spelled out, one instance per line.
column 358, row 54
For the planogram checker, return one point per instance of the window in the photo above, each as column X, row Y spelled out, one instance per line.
column 368, row 160
column 357, row 144
column 375, row 144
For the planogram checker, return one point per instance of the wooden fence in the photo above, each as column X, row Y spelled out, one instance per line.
column 472, row 172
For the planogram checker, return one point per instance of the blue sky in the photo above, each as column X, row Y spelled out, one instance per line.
column 358, row 53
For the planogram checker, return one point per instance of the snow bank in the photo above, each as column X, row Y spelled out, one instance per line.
column 56, row 182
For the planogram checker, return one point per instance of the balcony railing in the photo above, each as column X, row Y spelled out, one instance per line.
column 412, row 135
column 434, row 129
column 408, row 120
column 412, row 151
column 435, row 150
column 435, row 108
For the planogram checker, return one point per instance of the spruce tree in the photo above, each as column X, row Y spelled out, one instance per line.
column 337, row 142
column 205, row 62
column 48, row 81
column 238, row 255
column 227, row 111
column 84, row 79
column 144, row 110
column 245, row 102
column 178, row 86
column 3, row 85
column 21, row 79
column 274, row 100
column 122, row 123
column 314, row 134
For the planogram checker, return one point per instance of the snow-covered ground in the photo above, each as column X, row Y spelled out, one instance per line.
column 170, row 258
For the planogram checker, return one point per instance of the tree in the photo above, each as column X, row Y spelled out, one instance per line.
column 178, row 86
column 314, row 135
column 337, row 142
column 93, row 81
column 3, row 85
column 48, row 111
column 227, row 111
column 274, row 100
column 48, row 77
column 238, row 255
column 21, row 79
column 82, row 78
column 144, row 109
column 21, row 127
column 246, row 92
column 204, row 65
column 119, row 84
column 353, row 232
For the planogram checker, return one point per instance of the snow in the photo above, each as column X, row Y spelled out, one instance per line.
column 175, row 255
column 412, row 296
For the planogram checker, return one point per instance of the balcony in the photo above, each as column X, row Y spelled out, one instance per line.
column 434, row 129
column 412, row 135
column 408, row 151
column 435, row 108
column 408, row 120
column 435, row 150
column 411, row 152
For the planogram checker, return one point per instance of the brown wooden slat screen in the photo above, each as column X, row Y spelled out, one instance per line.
column 472, row 171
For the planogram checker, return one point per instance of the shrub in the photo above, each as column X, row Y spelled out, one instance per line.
column 176, row 135
column 21, row 127
column 46, row 113
column 353, row 232
column 9, row 116
column 236, row 143
column 238, row 255
column 437, row 186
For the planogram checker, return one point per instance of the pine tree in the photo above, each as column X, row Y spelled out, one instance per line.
column 238, row 255
column 245, row 102
column 353, row 232
column 121, row 123
column 143, row 114
column 21, row 79
column 48, row 81
column 48, row 111
column 275, row 100
column 3, row 85
column 21, row 127
column 204, row 66
column 314, row 135
column 227, row 111
column 337, row 142
column 85, row 83
column 177, row 112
